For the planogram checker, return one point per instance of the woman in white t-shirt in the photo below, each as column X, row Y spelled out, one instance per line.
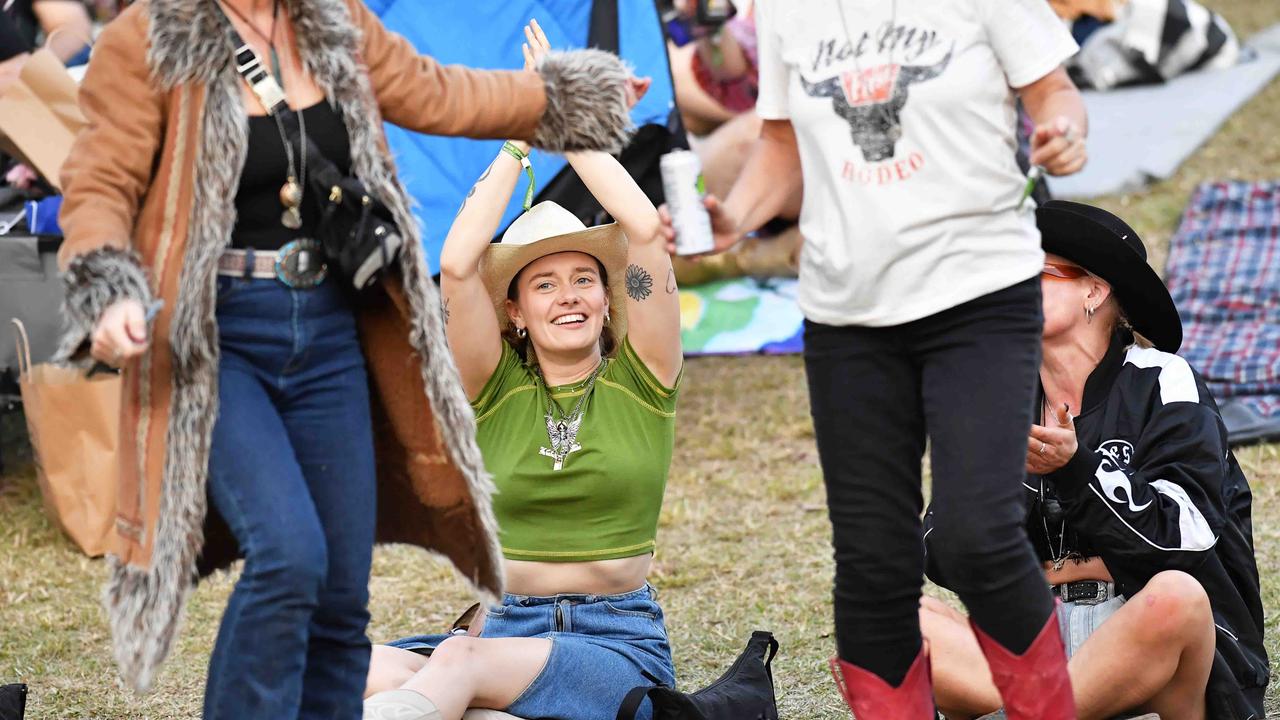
column 919, row 284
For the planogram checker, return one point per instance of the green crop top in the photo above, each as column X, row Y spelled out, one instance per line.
column 604, row 502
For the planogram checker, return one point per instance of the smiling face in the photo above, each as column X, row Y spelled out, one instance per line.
column 561, row 299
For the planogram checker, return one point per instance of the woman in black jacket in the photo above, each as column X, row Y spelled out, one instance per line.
column 1137, row 507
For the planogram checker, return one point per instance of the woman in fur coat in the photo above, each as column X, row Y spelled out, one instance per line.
column 315, row 420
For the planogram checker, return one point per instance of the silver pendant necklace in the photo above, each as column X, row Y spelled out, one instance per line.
column 562, row 430
column 1061, row 555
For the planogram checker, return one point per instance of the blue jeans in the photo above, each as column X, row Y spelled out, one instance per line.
column 291, row 471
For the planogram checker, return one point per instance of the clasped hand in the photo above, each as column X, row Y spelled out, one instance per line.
column 1050, row 447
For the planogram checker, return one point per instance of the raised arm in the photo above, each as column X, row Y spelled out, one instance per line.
column 574, row 101
column 653, row 303
column 469, row 316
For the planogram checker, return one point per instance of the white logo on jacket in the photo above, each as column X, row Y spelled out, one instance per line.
column 1113, row 477
column 1113, row 473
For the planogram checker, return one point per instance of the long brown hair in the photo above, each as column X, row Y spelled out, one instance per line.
column 523, row 346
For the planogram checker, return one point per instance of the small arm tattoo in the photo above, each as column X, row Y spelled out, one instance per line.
column 444, row 310
column 671, row 281
column 483, row 177
column 639, row 282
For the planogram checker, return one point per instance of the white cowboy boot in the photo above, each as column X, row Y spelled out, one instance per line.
column 400, row 705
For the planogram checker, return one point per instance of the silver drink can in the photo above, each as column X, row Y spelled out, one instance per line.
column 683, row 185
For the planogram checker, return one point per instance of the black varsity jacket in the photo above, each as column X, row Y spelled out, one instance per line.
column 1154, row 487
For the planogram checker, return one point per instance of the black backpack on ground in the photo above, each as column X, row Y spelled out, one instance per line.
column 744, row 692
column 13, row 701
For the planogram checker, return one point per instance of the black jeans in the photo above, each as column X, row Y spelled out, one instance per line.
column 964, row 378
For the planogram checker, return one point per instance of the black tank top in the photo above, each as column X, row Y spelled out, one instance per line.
column 258, row 206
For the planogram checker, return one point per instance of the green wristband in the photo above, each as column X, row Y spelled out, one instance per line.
column 509, row 148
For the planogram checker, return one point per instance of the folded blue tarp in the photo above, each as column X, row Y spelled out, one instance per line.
column 439, row 171
column 1141, row 135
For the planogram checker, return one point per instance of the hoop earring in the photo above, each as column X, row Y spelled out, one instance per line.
column 1088, row 313
column 521, row 333
column 606, row 317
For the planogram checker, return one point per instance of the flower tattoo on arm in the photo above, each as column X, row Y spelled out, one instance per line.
column 639, row 283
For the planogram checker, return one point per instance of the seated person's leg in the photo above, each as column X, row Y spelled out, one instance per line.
column 725, row 150
column 1161, row 642
column 466, row 672
column 1153, row 654
column 962, row 685
column 390, row 668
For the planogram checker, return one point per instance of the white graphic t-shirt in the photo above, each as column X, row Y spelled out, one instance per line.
column 904, row 115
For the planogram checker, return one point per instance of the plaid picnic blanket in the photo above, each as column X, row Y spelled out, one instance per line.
column 1224, row 274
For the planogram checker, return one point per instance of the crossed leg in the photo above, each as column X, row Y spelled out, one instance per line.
column 464, row 672
column 1153, row 655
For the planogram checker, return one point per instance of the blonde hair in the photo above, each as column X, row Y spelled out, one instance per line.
column 1120, row 320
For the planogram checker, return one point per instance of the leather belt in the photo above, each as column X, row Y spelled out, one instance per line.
column 299, row 264
column 248, row 263
column 1085, row 592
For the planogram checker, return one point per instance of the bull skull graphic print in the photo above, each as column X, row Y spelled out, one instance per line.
column 871, row 101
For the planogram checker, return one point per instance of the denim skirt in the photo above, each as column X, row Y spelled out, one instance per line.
column 601, row 647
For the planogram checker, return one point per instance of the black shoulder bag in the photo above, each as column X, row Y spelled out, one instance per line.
column 357, row 231
column 13, row 701
column 744, row 692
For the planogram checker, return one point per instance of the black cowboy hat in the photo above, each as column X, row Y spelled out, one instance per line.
column 1105, row 246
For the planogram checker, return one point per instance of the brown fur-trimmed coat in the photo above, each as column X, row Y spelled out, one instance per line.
column 149, row 207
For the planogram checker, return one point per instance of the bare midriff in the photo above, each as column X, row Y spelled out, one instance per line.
column 1090, row 569
column 597, row 577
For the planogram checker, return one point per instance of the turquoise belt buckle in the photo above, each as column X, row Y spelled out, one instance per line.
column 301, row 264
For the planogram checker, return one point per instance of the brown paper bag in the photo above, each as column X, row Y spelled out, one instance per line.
column 74, row 424
column 39, row 115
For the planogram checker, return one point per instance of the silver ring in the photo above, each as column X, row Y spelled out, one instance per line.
column 1042, row 447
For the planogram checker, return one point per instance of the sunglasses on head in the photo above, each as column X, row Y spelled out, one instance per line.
column 1060, row 270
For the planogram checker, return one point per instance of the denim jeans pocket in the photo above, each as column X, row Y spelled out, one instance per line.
column 632, row 609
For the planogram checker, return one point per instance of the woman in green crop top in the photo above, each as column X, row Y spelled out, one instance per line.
column 567, row 340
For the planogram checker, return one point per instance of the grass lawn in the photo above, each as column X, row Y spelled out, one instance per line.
column 743, row 540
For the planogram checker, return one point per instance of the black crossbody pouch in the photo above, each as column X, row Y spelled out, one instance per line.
column 356, row 231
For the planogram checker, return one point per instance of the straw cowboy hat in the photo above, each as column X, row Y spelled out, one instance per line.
column 1105, row 246
column 547, row 229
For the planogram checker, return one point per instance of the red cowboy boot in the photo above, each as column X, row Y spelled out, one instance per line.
column 871, row 698
column 1035, row 684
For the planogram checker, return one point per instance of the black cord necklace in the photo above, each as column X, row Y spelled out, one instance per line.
column 270, row 38
column 881, row 108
